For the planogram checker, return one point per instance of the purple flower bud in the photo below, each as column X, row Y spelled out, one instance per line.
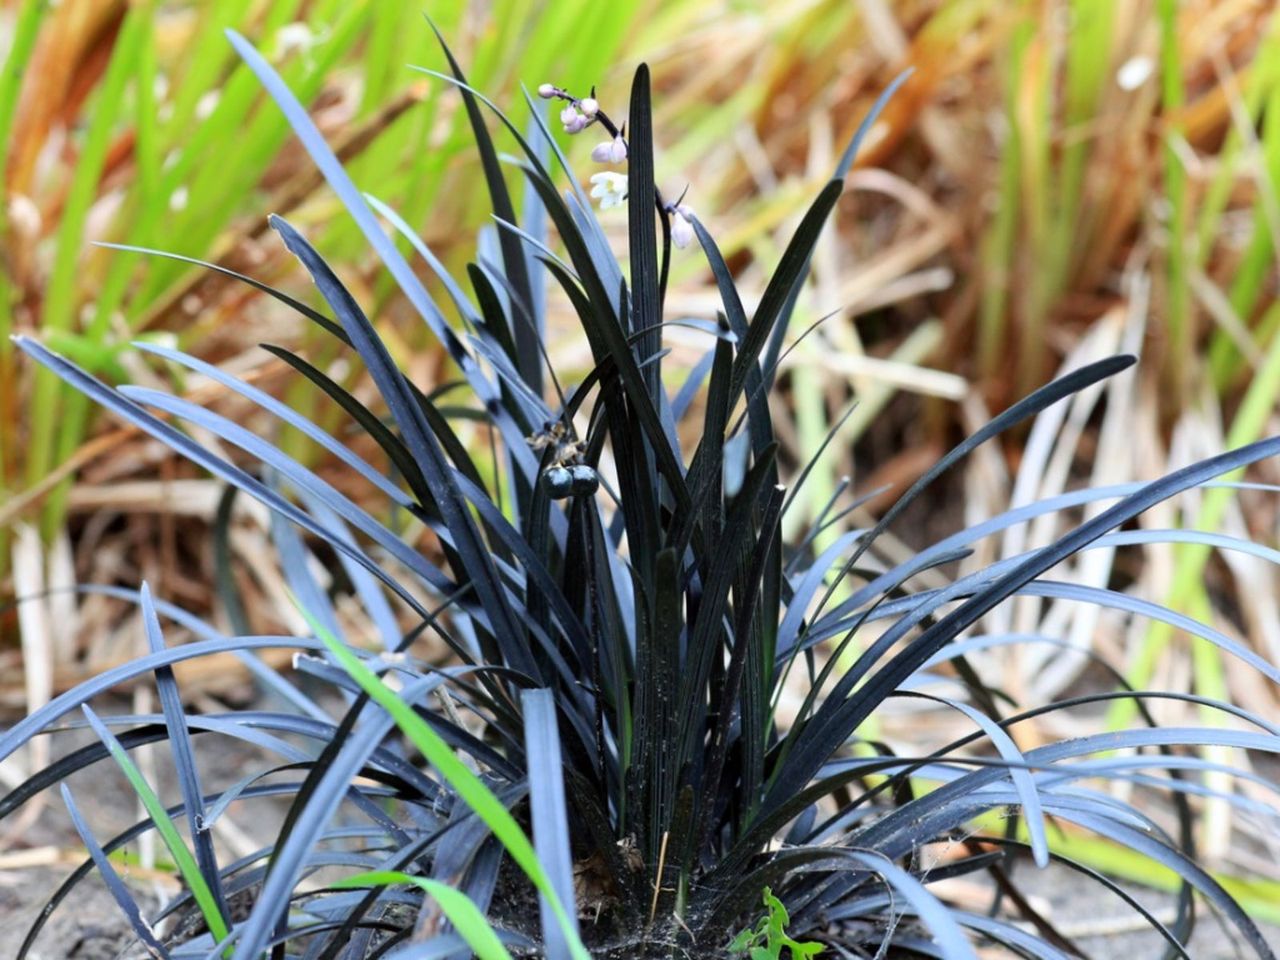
column 546, row 91
column 568, row 115
column 589, row 106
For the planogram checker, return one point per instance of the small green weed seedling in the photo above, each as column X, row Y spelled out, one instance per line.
column 768, row 938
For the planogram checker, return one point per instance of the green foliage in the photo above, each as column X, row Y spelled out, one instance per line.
column 184, row 182
column 465, row 916
column 768, row 938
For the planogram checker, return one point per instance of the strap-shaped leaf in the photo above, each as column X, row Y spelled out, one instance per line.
column 284, row 412
column 213, row 913
column 365, row 418
column 646, row 309
column 707, row 632
column 119, row 892
column 184, row 760
column 477, row 562
column 329, row 165
column 840, row 717
column 137, row 416
column 745, row 650
column 462, row 912
column 465, row 307
column 550, row 820
column 600, row 321
column 1025, row 408
column 790, row 268
column 527, row 357
column 296, row 474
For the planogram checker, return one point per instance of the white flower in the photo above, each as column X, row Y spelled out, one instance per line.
column 681, row 229
column 610, row 189
column 546, row 91
column 611, row 151
column 589, row 106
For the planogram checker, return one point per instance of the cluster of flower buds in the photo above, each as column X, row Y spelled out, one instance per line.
column 611, row 188
column 577, row 115
column 574, row 122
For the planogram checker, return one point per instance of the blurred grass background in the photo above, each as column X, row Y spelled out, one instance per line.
column 1057, row 180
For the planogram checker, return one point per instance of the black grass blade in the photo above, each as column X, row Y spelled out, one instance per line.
column 119, row 891
column 425, row 449
column 184, row 760
column 550, row 820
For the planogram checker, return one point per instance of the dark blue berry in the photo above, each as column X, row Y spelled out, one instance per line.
column 557, row 482
column 585, row 480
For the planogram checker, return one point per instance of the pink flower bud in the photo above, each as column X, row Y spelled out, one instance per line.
column 546, row 91
column 681, row 229
column 573, row 121
column 611, row 151
column 589, row 106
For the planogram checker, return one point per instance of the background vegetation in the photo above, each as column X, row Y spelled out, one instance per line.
column 1056, row 181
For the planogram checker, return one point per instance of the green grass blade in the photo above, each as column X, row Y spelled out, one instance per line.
column 25, row 30
column 1178, row 292
column 465, row 916
column 182, row 856
column 998, row 246
column 63, row 287
column 119, row 891
column 469, row 787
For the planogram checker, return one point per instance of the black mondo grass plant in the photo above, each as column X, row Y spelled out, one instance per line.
column 599, row 772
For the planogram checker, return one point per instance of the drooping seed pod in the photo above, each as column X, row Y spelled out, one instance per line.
column 557, row 482
column 585, row 480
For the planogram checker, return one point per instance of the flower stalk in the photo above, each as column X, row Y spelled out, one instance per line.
column 577, row 115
